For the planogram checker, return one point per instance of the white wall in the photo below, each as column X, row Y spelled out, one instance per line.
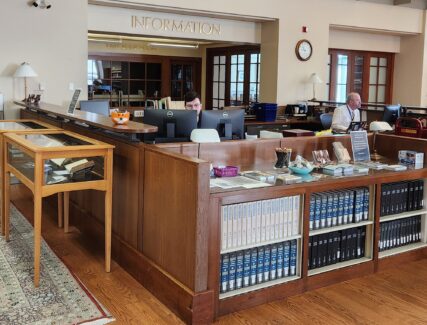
column 54, row 41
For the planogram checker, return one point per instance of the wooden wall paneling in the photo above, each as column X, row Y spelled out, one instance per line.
column 189, row 149
column 389, row 145
column 126, row 178
column 171, row 234
column 240, row 152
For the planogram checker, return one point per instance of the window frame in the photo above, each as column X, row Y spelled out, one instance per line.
column 364, row 94
column 245, row 50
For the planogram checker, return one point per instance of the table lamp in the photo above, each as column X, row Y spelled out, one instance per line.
column 25, row 71
column 378, row 126
column 315, row 79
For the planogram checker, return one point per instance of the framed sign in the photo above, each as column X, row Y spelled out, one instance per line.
column 73, row 102
column 360, row 146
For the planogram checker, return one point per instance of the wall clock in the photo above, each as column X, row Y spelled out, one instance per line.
column 303, row 50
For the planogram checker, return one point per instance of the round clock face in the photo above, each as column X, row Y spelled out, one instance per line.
column 303, row 50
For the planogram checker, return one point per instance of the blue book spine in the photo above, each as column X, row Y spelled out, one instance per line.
column 317, row 212
column 239, row 270
column 346, row 207
column 267, row 254
column 312, row 211
column 351, row 206
column 286, row 256
column 246, row 267
column 260, row 265
column 366, row 203
column 329, row 209
column 225, row 261
column 279, row 259
column 341, row 204
column 254, row 265
column 334, row 209
column 232, row 272
column 273, row 262
column 293, row 258
column 323, row 210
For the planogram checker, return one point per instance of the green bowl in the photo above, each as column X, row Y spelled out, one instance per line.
column 301, row 171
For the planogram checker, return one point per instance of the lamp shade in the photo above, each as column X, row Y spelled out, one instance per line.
column 25, row 70
column 380, row 126
column 315, row 79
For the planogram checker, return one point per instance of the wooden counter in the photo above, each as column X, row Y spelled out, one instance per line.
column 91, row 119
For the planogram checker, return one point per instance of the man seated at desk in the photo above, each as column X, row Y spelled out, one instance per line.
column 344, row 115
column 192, row 102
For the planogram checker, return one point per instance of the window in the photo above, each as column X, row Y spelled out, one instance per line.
column 232, row 76
column 368, row 73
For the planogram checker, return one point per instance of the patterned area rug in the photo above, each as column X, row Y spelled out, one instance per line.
column 60, row 299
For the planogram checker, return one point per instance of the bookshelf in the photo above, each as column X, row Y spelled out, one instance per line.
column 344, row 220
column 260, row 244
column 406, row 229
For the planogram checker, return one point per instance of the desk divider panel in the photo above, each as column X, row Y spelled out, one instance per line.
column 175, row 232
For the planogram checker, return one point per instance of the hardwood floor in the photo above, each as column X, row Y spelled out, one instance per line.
column 396, row 296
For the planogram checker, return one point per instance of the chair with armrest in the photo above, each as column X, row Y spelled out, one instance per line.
column 326, row 120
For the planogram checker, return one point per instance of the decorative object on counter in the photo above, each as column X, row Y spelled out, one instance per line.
column 301, row 166
column 120, row 117
column 226, row 171
column 341, row 153
column 25, row 71
column 321, row 157
column 283, row 157
column 378, row 126
column 411, row 158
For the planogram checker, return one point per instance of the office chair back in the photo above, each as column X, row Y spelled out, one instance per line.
column 326, row 120
column 101, row 107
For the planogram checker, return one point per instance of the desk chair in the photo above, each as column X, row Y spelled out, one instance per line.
column 204, row 136
column 326, row 120
column 101, row 107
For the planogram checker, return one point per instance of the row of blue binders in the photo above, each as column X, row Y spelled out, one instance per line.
column 334, row 208
column 399, row 233
column 401, row 196
column 259, row 222
column 258, row 265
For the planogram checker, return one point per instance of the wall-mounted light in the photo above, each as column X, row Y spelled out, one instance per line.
column 176, row 45
column 105, row 40
column 41, row 4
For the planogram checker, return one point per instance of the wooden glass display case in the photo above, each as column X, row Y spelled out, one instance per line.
column 18, row 126
column 54, row 162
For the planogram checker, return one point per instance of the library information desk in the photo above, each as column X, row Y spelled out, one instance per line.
column 54, row 162
column 237, row 248
column 17, row 126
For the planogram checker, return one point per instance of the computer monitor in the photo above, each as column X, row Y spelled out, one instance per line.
column 229, row 124
column 391, row 113
column 101, row 107
column 173, row 125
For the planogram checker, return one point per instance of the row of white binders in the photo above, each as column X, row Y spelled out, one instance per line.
column 259, row 222
column 334, row 208
column 258, row 265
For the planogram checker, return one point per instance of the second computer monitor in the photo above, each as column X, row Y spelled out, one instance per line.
column 229, row 124
column 101, row 107
column 391, row 113
column 173, row 125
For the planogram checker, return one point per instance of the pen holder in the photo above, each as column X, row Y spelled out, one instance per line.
column 283, row 157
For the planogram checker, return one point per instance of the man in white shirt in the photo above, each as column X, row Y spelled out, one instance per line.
column 346, row 114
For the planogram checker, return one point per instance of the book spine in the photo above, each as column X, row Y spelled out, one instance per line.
column 224, row 222
column 280, row 257
column 246, row 267
column 225, row 261
column 312, row 211
column 267, row 263
column 260, row 265
column 239, row 270
column 293, row 258
column 286, row 256
column 232, row 272
column 254, row 266
column 273, row 262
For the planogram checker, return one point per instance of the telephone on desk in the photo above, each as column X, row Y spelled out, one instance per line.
column 297, row 110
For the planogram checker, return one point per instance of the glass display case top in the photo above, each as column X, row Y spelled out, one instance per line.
column 53, row 140
column 16, row 126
